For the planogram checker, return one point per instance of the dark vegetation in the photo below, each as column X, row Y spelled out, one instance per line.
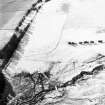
column 91, row 42
column 2, row 84
column 5, row 90
column 72, row 43
column 84, row 42
column 100, row 41
column 43, row 85
column 82, row 74
column 7, row 52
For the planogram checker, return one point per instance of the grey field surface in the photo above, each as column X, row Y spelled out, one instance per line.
column 9, row 8
column 11, row 12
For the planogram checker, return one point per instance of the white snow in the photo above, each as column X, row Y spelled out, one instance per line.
column 46, row 32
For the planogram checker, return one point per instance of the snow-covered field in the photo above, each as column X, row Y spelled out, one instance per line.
column 56, row 24
column 51, row 31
